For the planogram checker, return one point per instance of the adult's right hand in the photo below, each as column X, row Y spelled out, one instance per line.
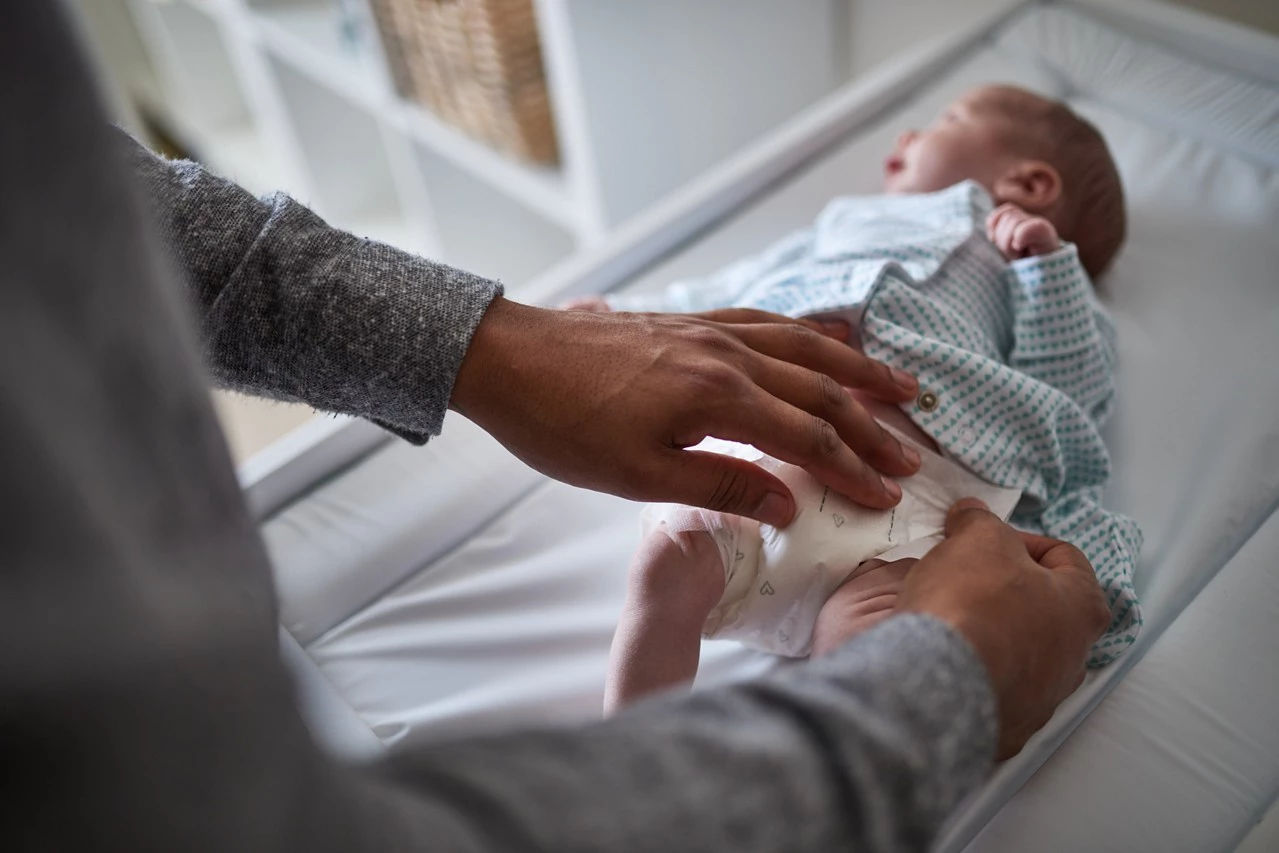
column 1030, row 606
column 615, row 401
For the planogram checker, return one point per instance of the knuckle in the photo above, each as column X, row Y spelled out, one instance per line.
column 830, row 394
column 802, row 338
column 713, row 339
column 730, row 492
column 1077, row 557
column 978, row 520
column 712, row 378
column 825, row 440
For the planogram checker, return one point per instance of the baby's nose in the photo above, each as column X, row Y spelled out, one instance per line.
column 906, row 138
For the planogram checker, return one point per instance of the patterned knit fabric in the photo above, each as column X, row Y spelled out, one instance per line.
column 1015, row 361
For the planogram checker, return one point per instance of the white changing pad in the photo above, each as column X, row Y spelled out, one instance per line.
column 450, row 589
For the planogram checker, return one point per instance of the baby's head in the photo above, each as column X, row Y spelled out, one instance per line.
column 1024, row 149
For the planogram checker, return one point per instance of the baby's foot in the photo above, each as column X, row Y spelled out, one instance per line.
column 861, row 602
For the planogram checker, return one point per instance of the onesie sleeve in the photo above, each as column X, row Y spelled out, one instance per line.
column 1061, row 334
column 1063, row 338
column 724, row 288
column 291, row 308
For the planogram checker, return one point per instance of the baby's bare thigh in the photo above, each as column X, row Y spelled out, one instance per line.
column 680, row 572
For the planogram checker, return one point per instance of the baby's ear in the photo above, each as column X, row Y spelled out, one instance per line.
column 1032, row 185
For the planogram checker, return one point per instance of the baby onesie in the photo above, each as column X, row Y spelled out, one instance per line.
column 1015, row 360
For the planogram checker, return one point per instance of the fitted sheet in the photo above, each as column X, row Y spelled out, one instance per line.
column 450, row 589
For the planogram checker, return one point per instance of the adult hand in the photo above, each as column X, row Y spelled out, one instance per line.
column 612, row 401
column 1030, row 606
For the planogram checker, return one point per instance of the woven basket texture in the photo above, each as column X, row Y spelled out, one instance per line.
column 477, row 64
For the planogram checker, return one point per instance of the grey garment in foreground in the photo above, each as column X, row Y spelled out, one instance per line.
column 293, row 309
column 142, row 702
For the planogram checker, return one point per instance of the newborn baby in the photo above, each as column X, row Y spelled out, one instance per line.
column 972, row 273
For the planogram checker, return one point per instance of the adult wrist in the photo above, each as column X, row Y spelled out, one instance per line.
column 487, row 357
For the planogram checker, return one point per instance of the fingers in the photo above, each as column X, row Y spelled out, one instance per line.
column 1034, row 235
column 823, row 397
column 798, row 344
column 1005, row 228
column 837, row 329
column 725, row 484
column 999, row 221
column 1002, row 227
column 968, row 513
column 795, row 436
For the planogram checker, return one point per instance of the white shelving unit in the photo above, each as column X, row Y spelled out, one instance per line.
column 297, row 95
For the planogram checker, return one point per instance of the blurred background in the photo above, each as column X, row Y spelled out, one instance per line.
column 500, row 136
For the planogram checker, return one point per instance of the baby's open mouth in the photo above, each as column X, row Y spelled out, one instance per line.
column 894, row 164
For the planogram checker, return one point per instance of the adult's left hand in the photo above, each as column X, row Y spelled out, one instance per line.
column 612, row 401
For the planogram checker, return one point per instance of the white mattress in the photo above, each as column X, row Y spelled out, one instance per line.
column 450, row 589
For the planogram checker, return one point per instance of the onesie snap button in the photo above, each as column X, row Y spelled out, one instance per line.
column 927, row 401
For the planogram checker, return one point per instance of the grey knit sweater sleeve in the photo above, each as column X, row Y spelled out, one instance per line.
column 293, row 309
column 866, row 750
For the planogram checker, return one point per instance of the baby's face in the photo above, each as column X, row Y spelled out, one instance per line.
column 963, row 143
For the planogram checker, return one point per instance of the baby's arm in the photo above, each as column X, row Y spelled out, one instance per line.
column 1018, row 234
column 676, row 577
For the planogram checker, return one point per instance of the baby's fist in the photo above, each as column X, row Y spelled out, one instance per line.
column 1018, row 234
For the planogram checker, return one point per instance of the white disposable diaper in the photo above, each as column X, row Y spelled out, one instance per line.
column 777, row 580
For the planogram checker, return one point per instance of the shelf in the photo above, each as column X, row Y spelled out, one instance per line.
column 540, row 188
column 309, row 39
column 200, row 101
column 237, row 152
column 487, row 232
column 342, row 141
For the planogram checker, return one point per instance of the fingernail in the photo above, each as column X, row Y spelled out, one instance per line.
column 912, row 455
column 904, row 379
column 894, row 491
column 774, row 509
column 970, row 503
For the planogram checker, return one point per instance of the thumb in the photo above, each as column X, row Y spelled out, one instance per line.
column 728, row 484
column 965, row 514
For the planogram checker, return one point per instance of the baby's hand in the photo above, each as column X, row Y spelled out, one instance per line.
column 586, row 303
column 1018, row 234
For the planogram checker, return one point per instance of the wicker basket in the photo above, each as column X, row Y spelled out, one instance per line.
column 477, row 64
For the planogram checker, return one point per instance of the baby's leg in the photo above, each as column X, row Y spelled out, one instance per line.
column 675, row 579
column 859, row 604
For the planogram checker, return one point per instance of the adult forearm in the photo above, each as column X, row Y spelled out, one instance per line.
column 867, row 749
column 291, row 308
